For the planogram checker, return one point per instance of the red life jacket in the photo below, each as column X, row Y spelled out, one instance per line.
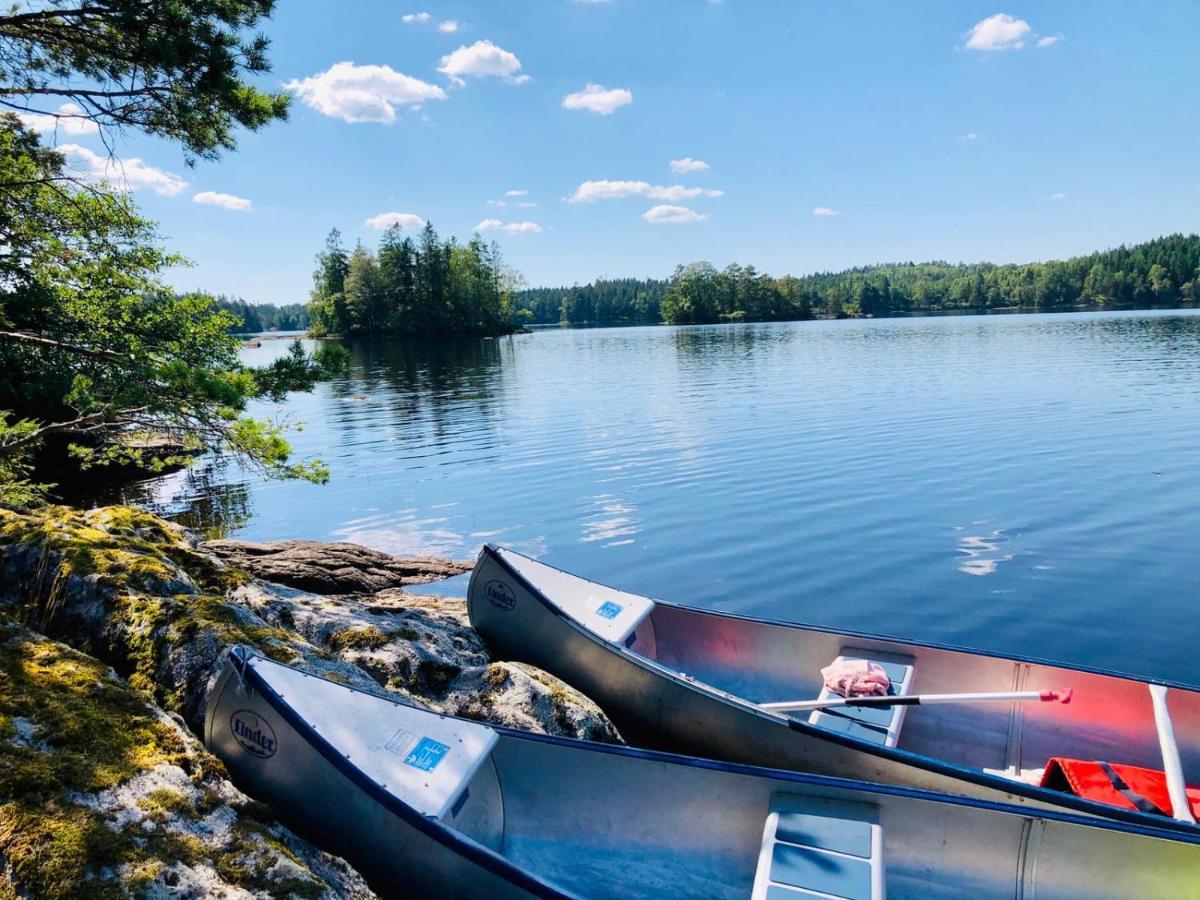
column 1129, row 787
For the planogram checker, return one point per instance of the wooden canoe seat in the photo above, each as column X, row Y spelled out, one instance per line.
column 812, row 846
column 880, row 724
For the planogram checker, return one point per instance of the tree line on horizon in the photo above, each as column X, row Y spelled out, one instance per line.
column 1161, row 272
column 441, row 288
column 426, row 286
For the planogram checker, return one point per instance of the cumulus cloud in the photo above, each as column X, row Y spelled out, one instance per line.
column 590, row 191
column 510, row 227
column 1049, row 40
column 598, row 99
column 67, row 119
column 363, row 93
column 515, row 192
column 687, row 164
column 130, row 174
column 672, row 215
column 420, row 18
column 1000, row 32
column 225, row 201
column 826, row 211
column 448, row 27
column 388, row 219
column 483, row 59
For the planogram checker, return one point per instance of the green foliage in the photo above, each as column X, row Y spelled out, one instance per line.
column 1162, row 272
column 253, row 318
column 95, row 352
column 425, row 287
column 604, row 302
column 174, row 68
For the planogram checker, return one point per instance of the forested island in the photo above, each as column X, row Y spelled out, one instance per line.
column 1162, row 272
column 428, row 286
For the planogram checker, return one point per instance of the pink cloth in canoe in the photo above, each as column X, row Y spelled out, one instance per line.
column 856, row 678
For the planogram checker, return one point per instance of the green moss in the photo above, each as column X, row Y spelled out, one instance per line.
column 244, row 864
column 165, row 802
column 99, row 732
column 369, row 638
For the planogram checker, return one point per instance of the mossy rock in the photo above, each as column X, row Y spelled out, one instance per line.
column 103, row 796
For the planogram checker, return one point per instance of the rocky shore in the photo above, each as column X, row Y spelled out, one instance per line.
column 113, row 625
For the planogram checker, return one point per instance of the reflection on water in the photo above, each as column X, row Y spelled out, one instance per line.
column 981, row 554
column 201, row 499
column 861, row 474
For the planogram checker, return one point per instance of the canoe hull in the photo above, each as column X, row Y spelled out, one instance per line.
column 578, row 819
column 654, row 707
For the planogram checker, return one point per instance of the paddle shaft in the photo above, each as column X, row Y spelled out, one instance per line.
column 918, row 699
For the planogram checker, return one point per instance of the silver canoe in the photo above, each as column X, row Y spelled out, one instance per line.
column 691, row 680
column 432, row 806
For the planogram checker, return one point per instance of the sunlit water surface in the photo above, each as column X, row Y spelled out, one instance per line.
column 1027, row 483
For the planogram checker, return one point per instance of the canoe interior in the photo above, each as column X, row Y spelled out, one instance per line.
column 1109, row 718
column 619, row 823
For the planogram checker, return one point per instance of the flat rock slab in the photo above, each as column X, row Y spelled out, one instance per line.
column 321, row 567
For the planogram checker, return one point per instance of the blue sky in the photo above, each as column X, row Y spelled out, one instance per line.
column 925, row 130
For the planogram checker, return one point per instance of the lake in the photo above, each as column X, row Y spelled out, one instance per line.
column 1024, row 483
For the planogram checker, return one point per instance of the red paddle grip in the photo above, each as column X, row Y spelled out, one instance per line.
column 1063, row 695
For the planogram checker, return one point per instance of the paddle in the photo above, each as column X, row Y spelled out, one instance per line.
column 1060, row 696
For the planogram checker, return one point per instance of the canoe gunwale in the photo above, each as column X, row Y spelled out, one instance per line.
column 473, row 851
column 1089, row 808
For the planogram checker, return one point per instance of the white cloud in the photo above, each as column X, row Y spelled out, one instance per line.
column 673, row 215
column 483, row 59
column 388, row 219
column 971, row 136
column 65, row 120
column 826, row 211
column 130, row 175
column 687, row 164
column 516, row 193
column 999, row 32
column 1049, row 40
column 225, row 201
column 1058, row 195
column 363, row 93
column 449, row 26
column 598, row 99
column 510, row 227
column 526, row 204
column 590, row 191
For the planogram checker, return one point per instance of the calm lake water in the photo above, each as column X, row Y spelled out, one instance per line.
column 1027, row 483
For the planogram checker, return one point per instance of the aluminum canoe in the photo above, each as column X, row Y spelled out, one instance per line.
column 690, row 680
column 432, row 806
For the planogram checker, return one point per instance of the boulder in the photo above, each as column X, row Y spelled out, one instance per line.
column 332, row 568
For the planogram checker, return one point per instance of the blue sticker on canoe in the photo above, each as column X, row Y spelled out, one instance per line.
column 426, row 755
column 609, row 610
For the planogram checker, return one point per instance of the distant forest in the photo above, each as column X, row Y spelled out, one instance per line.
column 1162, row 272
column 258, row 317
column 434, row 287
